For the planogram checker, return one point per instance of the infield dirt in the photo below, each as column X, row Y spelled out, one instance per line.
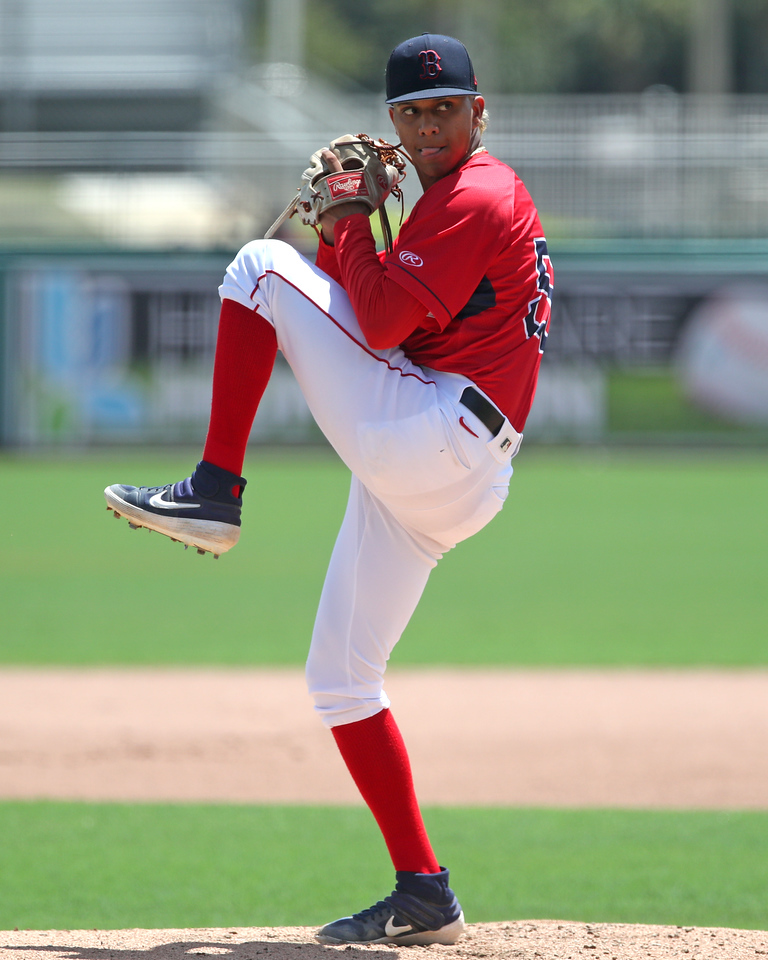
column 653, row 739
column 671, row 739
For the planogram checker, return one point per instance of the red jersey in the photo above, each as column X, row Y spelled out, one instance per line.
column 473, row 253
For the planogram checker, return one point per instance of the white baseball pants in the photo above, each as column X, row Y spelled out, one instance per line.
column 426, row 473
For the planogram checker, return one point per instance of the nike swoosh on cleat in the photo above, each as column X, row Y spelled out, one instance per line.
column 157, row 501
column 392, row 931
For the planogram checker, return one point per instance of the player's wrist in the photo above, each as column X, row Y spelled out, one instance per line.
column 330, row 218
column 342, row 210
column 326, row 235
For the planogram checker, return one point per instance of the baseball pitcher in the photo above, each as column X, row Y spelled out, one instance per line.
column 419, row 363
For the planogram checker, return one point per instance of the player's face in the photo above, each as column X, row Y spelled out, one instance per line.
column 438, row 134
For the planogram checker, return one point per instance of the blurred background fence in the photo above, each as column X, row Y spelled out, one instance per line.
column 142, row 144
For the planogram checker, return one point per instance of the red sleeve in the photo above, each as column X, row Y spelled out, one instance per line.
column 326, row 260
column 459, row 226
column 386, row 311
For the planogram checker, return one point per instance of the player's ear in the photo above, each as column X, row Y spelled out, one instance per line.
column 478, row 106
column 392, row 115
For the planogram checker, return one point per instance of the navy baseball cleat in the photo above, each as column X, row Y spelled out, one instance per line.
column 202, row 511
column 421, row 910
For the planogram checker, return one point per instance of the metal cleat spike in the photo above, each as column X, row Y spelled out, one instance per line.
column 201, row 552
column 216, row 556
column 117, row 515
column 186, row 546
column 133, row 526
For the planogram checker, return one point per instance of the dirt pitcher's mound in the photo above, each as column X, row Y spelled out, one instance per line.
column 522, row 940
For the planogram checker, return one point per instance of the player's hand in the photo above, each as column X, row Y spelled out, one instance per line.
column 329, row 217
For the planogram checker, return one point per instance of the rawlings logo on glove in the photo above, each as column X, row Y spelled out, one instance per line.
column 371, row 172
column 344, row 186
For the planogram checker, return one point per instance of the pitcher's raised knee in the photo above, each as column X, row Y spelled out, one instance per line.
column 337, row 708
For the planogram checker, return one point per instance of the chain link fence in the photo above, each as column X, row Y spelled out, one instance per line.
column 655, row 165
column 655, row 207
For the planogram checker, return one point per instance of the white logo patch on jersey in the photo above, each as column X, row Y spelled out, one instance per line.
column 412, row 259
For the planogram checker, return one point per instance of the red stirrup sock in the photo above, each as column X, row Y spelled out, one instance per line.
column 375, row 754
column 246, row 346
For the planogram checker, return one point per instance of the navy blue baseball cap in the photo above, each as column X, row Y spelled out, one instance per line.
column 429, row 66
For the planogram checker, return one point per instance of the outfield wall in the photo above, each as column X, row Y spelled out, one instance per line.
column 104, row 347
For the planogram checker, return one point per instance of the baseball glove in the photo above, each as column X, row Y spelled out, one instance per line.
column 371, row 172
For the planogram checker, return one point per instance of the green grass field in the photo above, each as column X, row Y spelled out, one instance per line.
column 598, row 558
column 78, row 866
column 649, row 404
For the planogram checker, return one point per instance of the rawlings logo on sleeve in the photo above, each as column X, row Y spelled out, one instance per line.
column 342, row 185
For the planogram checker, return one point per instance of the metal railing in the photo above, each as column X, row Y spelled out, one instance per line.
column 662, row 165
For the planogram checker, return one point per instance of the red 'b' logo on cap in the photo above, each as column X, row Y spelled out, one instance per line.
column 430, row 64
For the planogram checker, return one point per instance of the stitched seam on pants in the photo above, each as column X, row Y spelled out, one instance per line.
column 336, row 323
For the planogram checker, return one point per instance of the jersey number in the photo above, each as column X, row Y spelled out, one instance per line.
column 534, row 326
